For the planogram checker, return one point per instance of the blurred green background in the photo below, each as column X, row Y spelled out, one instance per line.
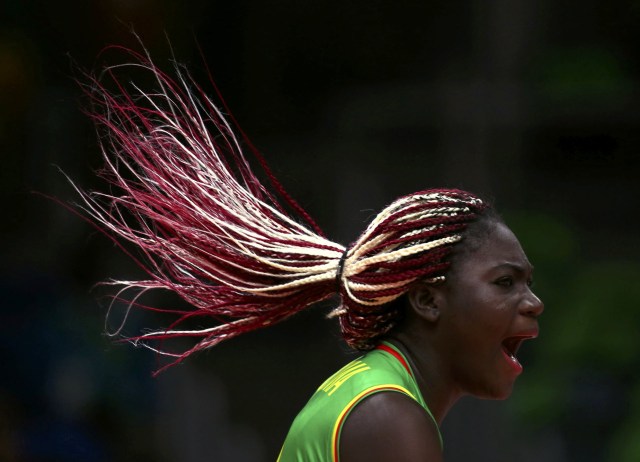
column 534, row 104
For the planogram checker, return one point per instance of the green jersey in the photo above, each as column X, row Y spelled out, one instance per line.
column 315, row 433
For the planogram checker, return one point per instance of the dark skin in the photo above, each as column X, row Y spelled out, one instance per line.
column 460, row 338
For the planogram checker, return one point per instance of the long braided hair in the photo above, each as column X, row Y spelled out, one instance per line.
column 183, row 193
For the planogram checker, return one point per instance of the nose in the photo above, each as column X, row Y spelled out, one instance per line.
column 532, row 306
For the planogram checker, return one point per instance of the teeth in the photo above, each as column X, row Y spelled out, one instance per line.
column 512, row 357
column 511, row 346
column 510, row 354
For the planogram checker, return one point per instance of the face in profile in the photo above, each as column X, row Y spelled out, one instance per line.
column 487, row 309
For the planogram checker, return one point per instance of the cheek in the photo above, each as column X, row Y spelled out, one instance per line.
column 480, row 309
column 479, row 324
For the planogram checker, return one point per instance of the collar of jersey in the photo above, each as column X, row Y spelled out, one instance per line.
column 396, row 353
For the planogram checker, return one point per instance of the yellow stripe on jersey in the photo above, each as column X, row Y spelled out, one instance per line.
column 337, row 428
column 331, row 385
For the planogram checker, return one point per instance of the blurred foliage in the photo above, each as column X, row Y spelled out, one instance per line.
column 583, row 73
column 582, row 372
column 625, row 446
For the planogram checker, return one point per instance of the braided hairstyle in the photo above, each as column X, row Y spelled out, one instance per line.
column 206, row 228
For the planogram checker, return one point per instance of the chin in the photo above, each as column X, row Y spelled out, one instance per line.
column 502, row 396
column 495, row 392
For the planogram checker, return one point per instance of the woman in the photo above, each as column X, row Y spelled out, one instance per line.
column 457, row 334
column 436, row 290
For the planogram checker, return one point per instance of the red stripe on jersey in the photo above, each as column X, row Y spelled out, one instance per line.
column 396, row 355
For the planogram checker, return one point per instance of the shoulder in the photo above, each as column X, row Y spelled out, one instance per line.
column 389, row 426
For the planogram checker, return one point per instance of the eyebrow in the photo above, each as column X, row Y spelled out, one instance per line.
column 516, row 267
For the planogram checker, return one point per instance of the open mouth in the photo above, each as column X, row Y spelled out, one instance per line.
column 511, row 345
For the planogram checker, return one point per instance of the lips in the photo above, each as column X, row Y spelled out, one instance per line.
column 511, row 345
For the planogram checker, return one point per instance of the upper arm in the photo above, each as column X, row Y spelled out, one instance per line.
column 389, row 426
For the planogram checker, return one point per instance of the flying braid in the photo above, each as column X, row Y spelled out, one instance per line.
column 208, row 230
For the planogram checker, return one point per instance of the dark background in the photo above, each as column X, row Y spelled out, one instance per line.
column 532, row 103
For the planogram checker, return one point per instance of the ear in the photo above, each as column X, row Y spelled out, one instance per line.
column 423, row 301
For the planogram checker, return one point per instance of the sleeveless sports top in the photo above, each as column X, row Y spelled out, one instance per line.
column 315, row 433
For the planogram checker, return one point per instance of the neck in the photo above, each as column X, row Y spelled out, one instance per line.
column 438, row 391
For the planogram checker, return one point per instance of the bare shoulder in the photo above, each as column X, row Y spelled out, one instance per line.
column 389, row 426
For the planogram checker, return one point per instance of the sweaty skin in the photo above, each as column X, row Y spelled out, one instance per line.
column 460, row 338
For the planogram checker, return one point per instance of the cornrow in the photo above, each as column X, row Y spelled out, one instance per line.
column 183, row 193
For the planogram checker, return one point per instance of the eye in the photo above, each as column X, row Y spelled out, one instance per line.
column 530, row 282
column 506, row 281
